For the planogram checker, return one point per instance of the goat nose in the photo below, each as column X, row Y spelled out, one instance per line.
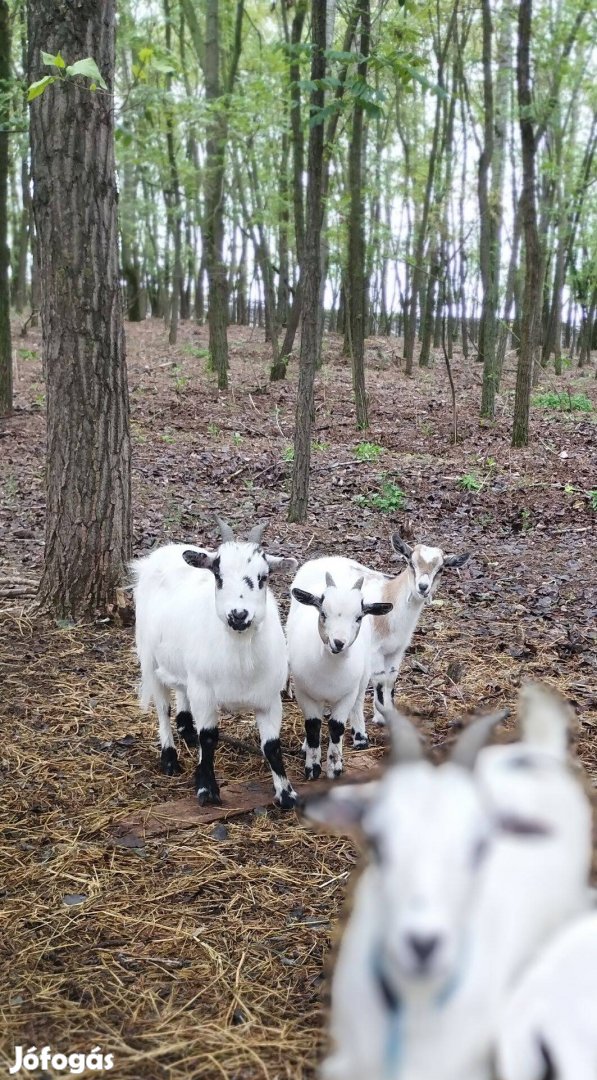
column 338, row 645
column 238, row 619
column 423, row 946
column 423, row 587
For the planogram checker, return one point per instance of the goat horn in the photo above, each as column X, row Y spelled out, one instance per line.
column 225, row 531
column 330, row 583
column 359, row 583
column 473, row 738
column 407, row 744
column 256, row 534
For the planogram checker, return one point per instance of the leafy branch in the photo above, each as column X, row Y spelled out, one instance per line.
column 87, row 67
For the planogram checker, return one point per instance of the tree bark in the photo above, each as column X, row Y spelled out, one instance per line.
column 299, row 494
column 355, row 278
column 528, row 208
column 491, row 172
column 5, row 340
column 88, row 522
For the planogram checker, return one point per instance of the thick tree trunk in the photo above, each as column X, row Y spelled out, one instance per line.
column 299, row 494
column 528, row 207
column 5, row 341
column 88, row 524
column 355, row 278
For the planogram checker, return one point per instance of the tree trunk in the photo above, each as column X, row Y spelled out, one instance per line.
column 491, row 172
column 299, row 494
column 172, row 195
column 355, row 278
column 528, row 207
column 215, row 151
column 88, row 521
column 5, row 342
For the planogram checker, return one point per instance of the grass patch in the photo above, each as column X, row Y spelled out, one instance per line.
column 469, row 482
column 390, row 497
column 564, row 401
column 367, row 451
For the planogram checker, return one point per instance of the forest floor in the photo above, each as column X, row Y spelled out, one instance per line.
column 203, row 953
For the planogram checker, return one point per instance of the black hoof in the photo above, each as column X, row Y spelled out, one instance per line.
column 169, row 762
column 360, row 742
column 313, row 773
column 209, row 798
column 287, row 800
column 186, row 729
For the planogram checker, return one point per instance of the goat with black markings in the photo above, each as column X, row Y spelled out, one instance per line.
column 329, row 648
column 208, row 627
column 406, row 594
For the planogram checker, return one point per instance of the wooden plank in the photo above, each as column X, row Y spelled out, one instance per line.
column 238, row 797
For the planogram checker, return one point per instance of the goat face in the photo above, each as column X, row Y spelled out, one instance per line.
column 341, row 612
column 428, row 832
column 241, row 572
column 427, row 564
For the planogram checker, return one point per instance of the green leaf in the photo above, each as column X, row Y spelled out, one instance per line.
column 343, row 57
column 53, row 61
column 38, row 87
column 163, row 66
column 424, row 82
column 145, row 54
column 89, row 69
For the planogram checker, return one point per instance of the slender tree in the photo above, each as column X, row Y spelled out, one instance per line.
column 5, row 341
column 528, row 209
column 356, row 292
column 310, row 343
column 88, row 523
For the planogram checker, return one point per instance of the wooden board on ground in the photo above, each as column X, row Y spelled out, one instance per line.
column 238, row 797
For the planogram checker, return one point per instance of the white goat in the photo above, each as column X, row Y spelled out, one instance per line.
column 549, row 1026
column 467, row 879
column 329, row 649
column 407, row 593
column 208, row 627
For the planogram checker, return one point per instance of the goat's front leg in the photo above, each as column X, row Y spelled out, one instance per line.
column 269, row 723
column 339, row 715
column 205, row 717
column 184, row 719
column 313, row 713
column 383, row 691
column 357, row 718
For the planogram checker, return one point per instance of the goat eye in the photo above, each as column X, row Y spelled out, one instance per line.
column 261, row 580
column 359, row 618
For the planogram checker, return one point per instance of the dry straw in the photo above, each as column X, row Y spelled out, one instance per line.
column 196, row 954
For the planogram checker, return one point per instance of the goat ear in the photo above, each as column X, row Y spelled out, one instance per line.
column 473, row 738
column 281, row 562
column 342, row 809
column 545, row 719
column 407, row 743
column 329, row 581
column 202, row 560
column 377, row 609
column 520, row 826
column 307, row 598
column 225, row 531
column 256, row 534
column 453, row 561
column 401, row 546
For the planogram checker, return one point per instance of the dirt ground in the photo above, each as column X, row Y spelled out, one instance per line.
column 203, row 953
